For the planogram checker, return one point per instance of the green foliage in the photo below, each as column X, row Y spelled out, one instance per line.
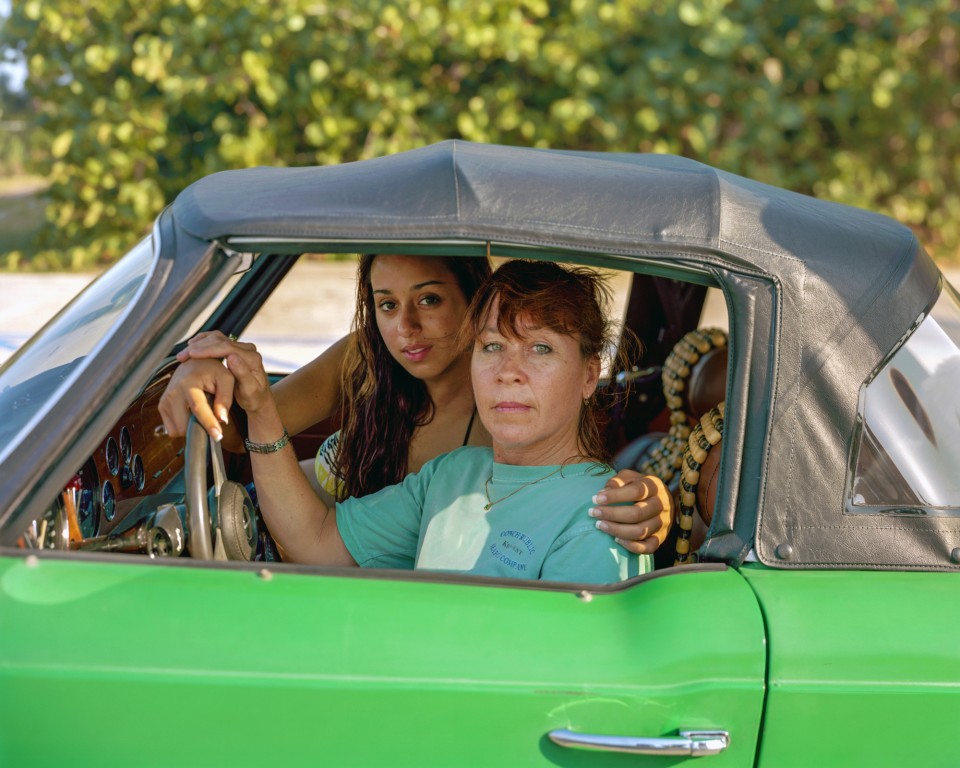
column 851, row 100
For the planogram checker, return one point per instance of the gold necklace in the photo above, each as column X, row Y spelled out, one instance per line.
column 486, row 489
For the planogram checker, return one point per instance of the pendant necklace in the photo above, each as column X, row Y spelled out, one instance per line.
column 486, row 489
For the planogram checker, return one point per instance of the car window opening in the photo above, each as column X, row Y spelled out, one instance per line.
column 131, row 500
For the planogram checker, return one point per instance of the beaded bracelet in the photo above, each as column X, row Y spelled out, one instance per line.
column 273, row 447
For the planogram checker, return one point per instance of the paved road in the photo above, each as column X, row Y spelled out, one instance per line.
column 316, row 299
column 28, row 301
column 318, row 296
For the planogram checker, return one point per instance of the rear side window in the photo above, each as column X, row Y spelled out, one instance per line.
column 907, row 457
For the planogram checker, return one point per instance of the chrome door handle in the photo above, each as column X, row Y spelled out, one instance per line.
column 690, row 743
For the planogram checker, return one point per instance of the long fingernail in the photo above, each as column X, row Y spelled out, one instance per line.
column 224, row 415
column 593, row 512
column 217, row 435
column 600, row 498
column 602, row 525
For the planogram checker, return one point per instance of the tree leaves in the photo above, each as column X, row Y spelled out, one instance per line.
column 854, row 101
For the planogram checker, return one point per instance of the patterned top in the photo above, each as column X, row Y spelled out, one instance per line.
column 324, row 463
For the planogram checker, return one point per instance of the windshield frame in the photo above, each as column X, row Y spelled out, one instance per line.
column 77, row 314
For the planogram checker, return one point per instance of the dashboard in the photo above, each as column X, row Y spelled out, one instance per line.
column 129, row 494
column 129, row 471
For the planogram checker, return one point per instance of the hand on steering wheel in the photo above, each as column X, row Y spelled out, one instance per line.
column 202, row 373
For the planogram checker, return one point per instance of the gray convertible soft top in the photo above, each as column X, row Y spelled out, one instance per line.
column 818, row 295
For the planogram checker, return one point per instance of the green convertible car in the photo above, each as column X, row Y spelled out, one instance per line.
column 815, row 624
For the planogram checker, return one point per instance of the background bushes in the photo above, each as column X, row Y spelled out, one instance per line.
column 851, row 100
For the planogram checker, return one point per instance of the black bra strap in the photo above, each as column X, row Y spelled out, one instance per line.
column 466, row 437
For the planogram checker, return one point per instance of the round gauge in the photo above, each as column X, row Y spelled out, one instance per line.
column 113, row 456
column 87, row 516
column 126, row 445
column 84, row 489
column 139, row 479
column 109, row 499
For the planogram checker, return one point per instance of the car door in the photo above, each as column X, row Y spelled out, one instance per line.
column 872, row 653
column 122, row 661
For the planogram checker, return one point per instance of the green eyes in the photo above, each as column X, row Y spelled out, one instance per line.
column 538, row 349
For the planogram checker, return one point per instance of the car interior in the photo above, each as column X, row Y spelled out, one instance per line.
column 141, row 492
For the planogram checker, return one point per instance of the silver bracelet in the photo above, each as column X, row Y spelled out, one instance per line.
column 273, row 447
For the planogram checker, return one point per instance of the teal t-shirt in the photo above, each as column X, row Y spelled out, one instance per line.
column 435, row 519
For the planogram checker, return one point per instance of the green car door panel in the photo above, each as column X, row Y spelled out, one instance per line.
column 818, row 627
column 860, row 662
column 243, row 667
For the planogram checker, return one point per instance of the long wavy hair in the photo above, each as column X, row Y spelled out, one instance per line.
column 572, row 301
column 383, row 404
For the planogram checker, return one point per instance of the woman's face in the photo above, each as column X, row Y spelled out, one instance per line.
column 529, row 391
column 419, row 306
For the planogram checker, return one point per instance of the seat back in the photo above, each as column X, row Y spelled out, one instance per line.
column 707, row 384
column 694, row 378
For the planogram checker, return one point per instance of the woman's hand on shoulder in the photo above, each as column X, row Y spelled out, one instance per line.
column 636, row 509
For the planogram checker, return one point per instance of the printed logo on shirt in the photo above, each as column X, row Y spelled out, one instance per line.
column 512, row 549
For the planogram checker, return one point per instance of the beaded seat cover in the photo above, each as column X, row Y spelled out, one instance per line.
column 664, row 457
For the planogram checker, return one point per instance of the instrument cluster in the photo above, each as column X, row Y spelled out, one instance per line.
column 135, row 461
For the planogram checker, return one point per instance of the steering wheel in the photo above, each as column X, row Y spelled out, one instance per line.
column 221, row 520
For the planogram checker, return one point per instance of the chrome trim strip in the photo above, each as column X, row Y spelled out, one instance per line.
column 480, row 244
column 349, row 240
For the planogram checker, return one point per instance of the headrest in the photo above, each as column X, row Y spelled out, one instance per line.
column 694, row 379
column 707, row 384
